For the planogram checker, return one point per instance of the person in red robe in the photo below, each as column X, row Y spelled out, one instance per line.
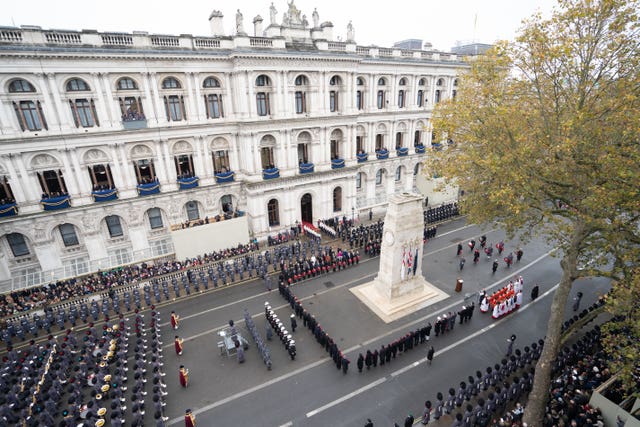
column 174, row 320
column 178, row 345
column 184, row 376
column 189, row 419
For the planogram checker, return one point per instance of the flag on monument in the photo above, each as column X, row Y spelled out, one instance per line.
column 402, row 271
column 415, row 262
column 409, row 262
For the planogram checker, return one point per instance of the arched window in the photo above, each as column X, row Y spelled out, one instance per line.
column 455, row 82
column 402, row 82
column 401, row 98
column 68, row 234
column 77, row 85
column 226, row 202
column 193, row 212
column 273, row 213
column 301, row 81
column 420, row 100
column 301, row 95
column 440, row 82
column 127, row 83
column 379, row 175
column 335, row 81
column 155, row 218
column 171, row 83
column 359, row 180
column 337, row 199
column 18, row 244
column 421, row 82
column 263, row 80
column 20, row 85
column 114, row 226
column 360, row 81
column 210, row 82
column 398, row 173
column 382, row 81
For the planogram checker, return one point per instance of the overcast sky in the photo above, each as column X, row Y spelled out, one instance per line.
column 444, row 23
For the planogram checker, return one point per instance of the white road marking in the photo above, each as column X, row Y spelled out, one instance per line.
column 346, row 397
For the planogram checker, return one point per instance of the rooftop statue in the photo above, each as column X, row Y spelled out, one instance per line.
column 273, row 12
column 316, row 18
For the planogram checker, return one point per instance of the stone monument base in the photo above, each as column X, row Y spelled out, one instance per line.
column 390, row 309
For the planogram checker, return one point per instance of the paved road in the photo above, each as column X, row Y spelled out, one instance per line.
column 310, row 391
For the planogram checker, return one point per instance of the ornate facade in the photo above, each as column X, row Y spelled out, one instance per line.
column 107, row 141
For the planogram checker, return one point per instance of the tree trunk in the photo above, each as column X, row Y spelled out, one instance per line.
column 536, row 405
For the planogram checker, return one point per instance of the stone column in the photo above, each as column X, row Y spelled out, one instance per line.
column 251, row 99
column 199, row 98
column 102, row 110
column 115, row 111
column 82, row 176
column 257, row 163
column 119, row 179
column 32, row 187
column 128, row 166
column 373, row 94
column 14, row 181
column 149, row 103
column 393, row 98
column 55, row 117
column 69, row 176
column 160, row 111
column 192, row 113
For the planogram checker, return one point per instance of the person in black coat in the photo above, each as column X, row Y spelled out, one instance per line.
column 534, row 292
column 360, row 362
column 408, row 422
column 430, row 355
column 368, row 359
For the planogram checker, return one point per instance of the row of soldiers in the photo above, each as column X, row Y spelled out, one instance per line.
column 309, row 321
column 257, row 338
column 360, row 235
column 327, row 260
column 494, row 379
column 440, row 213
column 281, row 330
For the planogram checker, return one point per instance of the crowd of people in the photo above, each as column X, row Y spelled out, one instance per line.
column 53, row 194
column 26, row 299
column 284, row 236
column 89, row 378
column 441, row 213
column 131, row 116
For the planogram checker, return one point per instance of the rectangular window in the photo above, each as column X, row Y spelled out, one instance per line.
column 420, row 98
column 18, row 244
column 29, row 115
column 76, row 267
column 401, row 99
column 359, row 180
column 174, row 108
column 333, row 101
column 437, row 96
column 379, row 142
column 83, row 114
column 335, row 149
column 359, row 144
column 303, row 154
column 266, row 156
column 399, row 140
column 193, row 212
column 114, row 226
column 160, row 247
column 221, row 161
column 120, row 257
column 301, row 106
column 68, row 234
column 155, row 218
column 262, row 101
column 214, row 106
column 359, row 100
column 380, row 99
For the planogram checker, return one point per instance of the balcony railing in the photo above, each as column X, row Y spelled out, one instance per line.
column 188, row 182
column 8, row 209
column 362, row 157
column 306, row 167
column 56, row 203
column 337, row 163
column 271, row 173
column 222, row 177
column 149, row 188
column 382, row 154
column 105, row 195
column 420, row 149
column 402, row 151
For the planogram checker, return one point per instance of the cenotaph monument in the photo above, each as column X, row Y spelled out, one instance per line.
column 400, row 288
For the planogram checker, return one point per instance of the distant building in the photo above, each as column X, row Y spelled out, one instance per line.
column 415, row 44
column 471, row 49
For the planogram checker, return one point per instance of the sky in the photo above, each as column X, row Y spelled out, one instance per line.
column 444, row 23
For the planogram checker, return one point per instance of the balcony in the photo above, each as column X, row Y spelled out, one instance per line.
column 56, row 203
column 271, row 173
column 222, row 177
column 186, row 183
column 105, row 195
column 148, row 189
column 420, row 149
column 133, row 121
column 436, row 146
column 8, row 209
column 362, row 157
column 382, row 154
column 337, row 163
column 402, row 151
column 306, row 167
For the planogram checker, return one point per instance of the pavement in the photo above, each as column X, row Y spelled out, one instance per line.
column 310, row 391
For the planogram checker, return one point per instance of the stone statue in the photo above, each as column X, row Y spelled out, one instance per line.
column 350, row 35
column 316, row 18
column 294, row 15
column 273, row 12
column 239, row 26
column 285, row 19
column 305, row 23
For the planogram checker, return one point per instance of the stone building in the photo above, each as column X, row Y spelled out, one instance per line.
column 109, row 142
